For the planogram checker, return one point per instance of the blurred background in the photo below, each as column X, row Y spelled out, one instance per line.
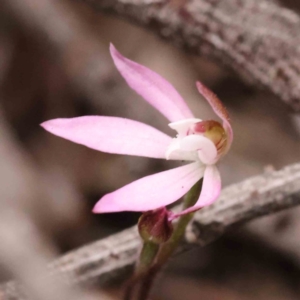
column 48, row 70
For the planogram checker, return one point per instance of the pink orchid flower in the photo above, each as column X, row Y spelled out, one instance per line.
column 202, row 142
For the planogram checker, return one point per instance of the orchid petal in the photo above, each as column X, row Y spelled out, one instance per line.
column 175, row 153
column 153, row 191
column 152, row 87
column 211, row 189
column 218, row 108
column 112, row 135
column 206, row 149
column 173, row 147
column 183, row 126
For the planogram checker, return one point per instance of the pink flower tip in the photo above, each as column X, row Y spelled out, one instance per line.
column 105, row 206
column 50, row 125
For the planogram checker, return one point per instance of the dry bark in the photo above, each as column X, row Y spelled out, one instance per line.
column 258, row 40
column 106, row 259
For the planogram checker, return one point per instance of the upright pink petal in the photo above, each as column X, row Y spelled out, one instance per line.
column 218, row 108
column 152, row 87
column 153, row 191
column 112, row 135
column 211, row 189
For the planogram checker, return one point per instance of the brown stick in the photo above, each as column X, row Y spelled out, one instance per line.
column 258, row 40
column 106, row 259
column 261, row 195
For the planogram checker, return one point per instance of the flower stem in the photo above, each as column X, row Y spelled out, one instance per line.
column 167, row 249
column 170, row 246
column 146, row 259
column 147, row 256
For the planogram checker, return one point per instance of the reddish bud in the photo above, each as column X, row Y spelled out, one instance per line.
column 154, row 226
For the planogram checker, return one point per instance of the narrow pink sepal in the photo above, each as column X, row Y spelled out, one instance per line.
column 218, row 108
column 152, row 87
column 211, row 189
column 153, row 191
column 112, row 135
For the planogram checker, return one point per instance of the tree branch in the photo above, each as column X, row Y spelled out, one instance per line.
column 258, row 40
column 258, row 196
column 106, row 259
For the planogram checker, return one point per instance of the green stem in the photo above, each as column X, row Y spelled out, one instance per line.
column 147, row 256
column 167, row 249
column 146, row 284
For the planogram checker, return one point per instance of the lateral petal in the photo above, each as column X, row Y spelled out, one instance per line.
column 151, row 192
column 112, row 135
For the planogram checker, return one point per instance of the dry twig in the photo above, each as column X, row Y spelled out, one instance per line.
column 259, row 40
column 258, row 196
